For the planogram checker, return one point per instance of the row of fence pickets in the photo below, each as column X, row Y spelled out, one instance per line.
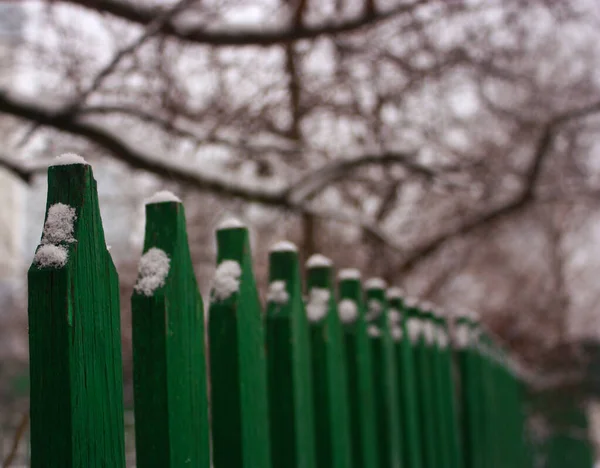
column 343, row 377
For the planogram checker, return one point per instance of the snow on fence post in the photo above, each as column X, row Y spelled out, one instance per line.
column 238, row 369
column 169, row 368
column 76, row 395
column 361, row 391
column 288, row 363
column 448, row 388
column 431, row 453
column 332, row 418
column 406, row 379
column 384, row 376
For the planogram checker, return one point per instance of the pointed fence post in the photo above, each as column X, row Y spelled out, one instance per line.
column 288, row 361
column 406, row 380
column 76, row 393
column 238, row 370
column 169, row 368
column 351, row 309
column 384, row 376
column 332, row 418
column 423, row 372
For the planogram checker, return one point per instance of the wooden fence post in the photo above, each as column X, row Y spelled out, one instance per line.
column 385, row 376
column 238, row 370
column 169, row 368
column 423, row 373
column 76, row 394
column 288, row 360
column 406, row 380
column 332, row 419
column 351, row 309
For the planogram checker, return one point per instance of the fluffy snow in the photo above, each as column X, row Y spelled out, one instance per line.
column 318, row 260
column 226, row 280
column 278, row 293
column 347, row 310
column 374, row 309
column 394, row 316
column 67, row 159
column 318, row 304
column 49, row 255
column 373, row 331
column 411, row 302
column 163, row 196
column 59, row 224
column 375, row 283
column 230, row 223
column 396, row 333
column 462, row 335
column 349, row 273
column 429, row 332
column 284, row 246
column 394, row 293
column 442, row 338
column 152, row 271
column 414, row 326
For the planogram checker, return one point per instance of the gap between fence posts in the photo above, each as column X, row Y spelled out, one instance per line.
column 363, row 424
column 169, row 368
column 76, row 393
column 332, row 431
column 384, row 376
column 238, row 370
column 288, row 363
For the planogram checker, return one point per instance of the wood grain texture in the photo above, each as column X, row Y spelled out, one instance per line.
column 332, row 417
column 361, row 391
column 289, row 369
column 169, row 367
column 385, row 380
column 407, row 391
column 76, row 393
column 238, row 369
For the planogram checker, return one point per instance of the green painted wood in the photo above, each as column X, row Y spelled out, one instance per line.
column 169, row 368
column 407, row 385
column 238, row 369
column 425, row 389
column 363, row 423
column 385, row 379
column 76, row 393
column 289, row 367
column 332, row 416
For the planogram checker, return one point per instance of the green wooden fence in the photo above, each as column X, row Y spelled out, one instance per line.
column 343, row 377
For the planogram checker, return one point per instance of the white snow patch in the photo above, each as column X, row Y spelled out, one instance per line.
column 411, row 302
column 278, row 293
column 49, row 255
column 284, row 246
column 318, row 260
column 395, row 293
column 152, row 271
column 226, row 280
column 230, row 223
column 347, row 310
column 374, row 309
column 163, row 196
column 67, row 159
column 373, row 331
column 442, row 337
column 396, row 333
column 318, row 304
column 375, row 283
column 415, row 328
column 349, row 273
column 429, row 332
column 394, row 316
column 59, row 224
column 462, row 335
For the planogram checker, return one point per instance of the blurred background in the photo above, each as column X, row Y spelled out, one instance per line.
column 449, row 146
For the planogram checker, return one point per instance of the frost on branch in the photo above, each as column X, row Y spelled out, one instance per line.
column 226, row 280
column 277, row 293
column 59, row 224
column 67, row 159
column 52, row 256
column 163, row 196
column 318, row 304
column 348, row 311
column 152, row 271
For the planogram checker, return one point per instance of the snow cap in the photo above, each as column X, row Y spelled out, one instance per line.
column 318, row 260
column 230, row 223
column 375, row 283
column 67, row 159
column 284, row 246
column 163, row 196
column 349, row 273
column 395, row 293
